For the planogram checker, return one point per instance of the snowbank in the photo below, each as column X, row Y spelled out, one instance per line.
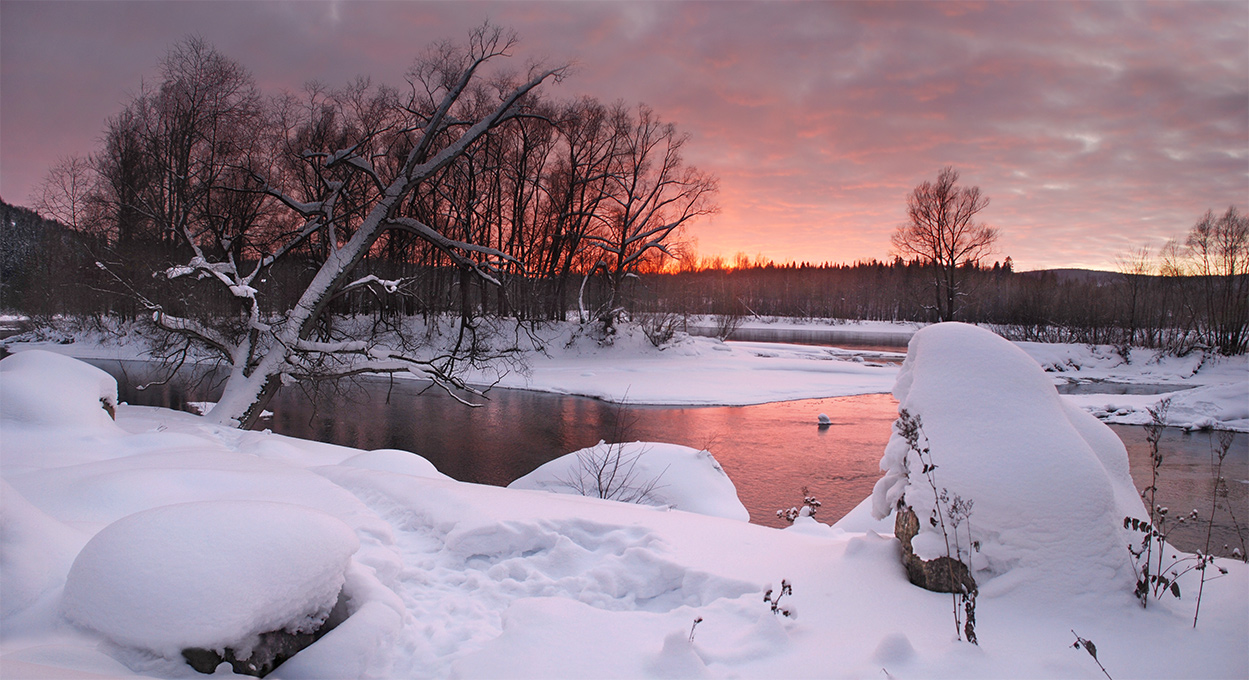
column 1049, row 496
column 212, row 575
column 46, row 389
column 563, row 358
column 650, row 473
column 465, row 580
column 35, row 552
column 395, row 461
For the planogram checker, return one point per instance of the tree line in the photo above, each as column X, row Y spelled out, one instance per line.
column 200, row 160
column 243, row 223
column 1164, row 309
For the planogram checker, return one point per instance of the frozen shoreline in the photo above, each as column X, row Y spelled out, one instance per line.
column 453, row 579
column 1209, row 391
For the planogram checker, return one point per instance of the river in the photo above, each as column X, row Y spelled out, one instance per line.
column 770, row 451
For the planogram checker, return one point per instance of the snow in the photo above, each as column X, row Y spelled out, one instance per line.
column 563, row 358
column 693, row 370
column 86, row 392
column 1049, row 496
column 396, row 462
column 462, row 580
column 665, row 475
column 1220, row 406
column 203, row 407
column 209, row 575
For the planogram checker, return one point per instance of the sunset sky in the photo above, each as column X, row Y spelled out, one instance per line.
column 1094, row 127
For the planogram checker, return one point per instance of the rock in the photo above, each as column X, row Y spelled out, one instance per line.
column 273, row 648
column 941, row 574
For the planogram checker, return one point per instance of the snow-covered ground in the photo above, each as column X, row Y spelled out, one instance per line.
column 1205, row 390
column 123, row 542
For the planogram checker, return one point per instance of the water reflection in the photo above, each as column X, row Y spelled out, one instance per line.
column 770, row 451
column 1099, row 387
column 846, row 337
column 1186, row 483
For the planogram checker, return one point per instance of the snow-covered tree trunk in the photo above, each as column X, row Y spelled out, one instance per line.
column 355, row 196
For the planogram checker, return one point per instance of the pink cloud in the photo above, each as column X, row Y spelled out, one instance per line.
column 1094, row 127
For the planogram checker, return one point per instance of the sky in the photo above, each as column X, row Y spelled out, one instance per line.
column 1095, row 128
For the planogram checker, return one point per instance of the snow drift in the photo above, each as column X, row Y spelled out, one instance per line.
column 1049, row 484
column 649, row 473
column 212, row 575
column 85, row 397
column 466, row 580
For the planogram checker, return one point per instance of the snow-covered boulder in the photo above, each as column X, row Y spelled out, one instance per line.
column 211, row 575
column 1048, row 485
column 48, row 389
column 642, row 472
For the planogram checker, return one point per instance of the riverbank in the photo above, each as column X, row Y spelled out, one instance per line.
column 1204, row 390
column 446, row 579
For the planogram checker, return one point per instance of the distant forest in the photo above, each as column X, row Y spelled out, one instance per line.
column 48, row 269
column 224, row 213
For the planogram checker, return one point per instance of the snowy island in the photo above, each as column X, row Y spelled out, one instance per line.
column 140, row 542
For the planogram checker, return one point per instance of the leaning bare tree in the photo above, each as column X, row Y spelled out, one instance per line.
column 942, row 233
column 340, row 201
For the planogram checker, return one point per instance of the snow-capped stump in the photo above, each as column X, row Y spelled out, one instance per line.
column 1000, row 474
column 44, row 388
column 246, row 582
column 648, row 473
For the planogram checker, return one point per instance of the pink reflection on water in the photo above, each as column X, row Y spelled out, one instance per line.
column 772, row 451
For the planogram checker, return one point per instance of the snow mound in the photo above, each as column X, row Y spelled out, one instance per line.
column 396, row 461
column 43, row 388
column 642, row 472
column 209, row 574
column 1048, row 485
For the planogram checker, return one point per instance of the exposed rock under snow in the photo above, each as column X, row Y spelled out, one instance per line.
column 1048, row 484
column 209, row 575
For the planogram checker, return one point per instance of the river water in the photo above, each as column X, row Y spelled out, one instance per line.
column 770, row 451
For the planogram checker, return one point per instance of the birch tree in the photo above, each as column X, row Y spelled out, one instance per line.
column 350, row 197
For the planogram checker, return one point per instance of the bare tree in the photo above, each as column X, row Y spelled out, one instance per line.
column 352, row 196
column 65, row 192
column 1137, row 268
column 576, row 190
column 650, row 194
column 943, row 234
column 1220, row 252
